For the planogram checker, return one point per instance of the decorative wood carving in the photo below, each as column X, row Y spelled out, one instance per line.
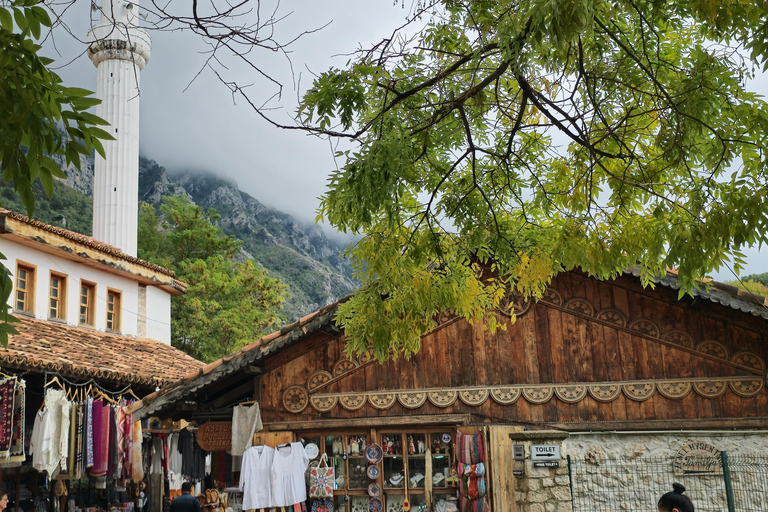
column 674, row 390
column 382, row 401
column 505, row 395
column 747, row 387
column 352, row 402
column 678, row 338
column 604, row 392
column 474, row 396
column 639, row 391
column 324, row 403
column 749, row 359
column 645, row 326
column 580, row 306
column 713, row 348
column 569, row 392
column 710, row 388
column 317, row 379
column 538, row 394
column 412, row 399
column 552, row 296
column 364, row 358
column 343, row 366
column 443, row 397
column 612, row 316
column 514, row 302
column 295, row 399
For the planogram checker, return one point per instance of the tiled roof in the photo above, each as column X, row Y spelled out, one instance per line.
column 85, row 240
column 70, row 351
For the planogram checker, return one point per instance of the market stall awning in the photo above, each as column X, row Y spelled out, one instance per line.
column 43, row 346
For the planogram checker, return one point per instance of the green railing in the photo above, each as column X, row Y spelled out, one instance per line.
column 728, row 483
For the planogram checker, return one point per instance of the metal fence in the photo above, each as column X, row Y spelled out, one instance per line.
column 728, row 483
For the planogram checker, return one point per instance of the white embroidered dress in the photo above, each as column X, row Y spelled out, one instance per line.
column 288, row 481
column 255, row 477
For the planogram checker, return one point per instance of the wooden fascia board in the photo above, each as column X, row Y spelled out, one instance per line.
column 52, row 243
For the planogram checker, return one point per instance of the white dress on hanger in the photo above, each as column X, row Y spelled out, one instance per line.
column 255, row 477
column 288, row 481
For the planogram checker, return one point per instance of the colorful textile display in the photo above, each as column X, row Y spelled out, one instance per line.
column 321, row 479
column 472, row 489
column 17, row 425
column 7, row 393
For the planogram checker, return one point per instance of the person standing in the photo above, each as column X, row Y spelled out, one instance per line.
column 186, row 502
column 142, row 498
column 3, row 499
column 675, row 501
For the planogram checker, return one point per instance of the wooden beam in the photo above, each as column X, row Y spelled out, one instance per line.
column 372, row 422
column 245, row 389
column 679, row 424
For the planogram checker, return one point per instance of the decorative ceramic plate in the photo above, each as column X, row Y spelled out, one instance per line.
column 311, row 450
column 373, row 472
column 375, row 505
column 446, row 438
column 374, row 490
column 373, row 453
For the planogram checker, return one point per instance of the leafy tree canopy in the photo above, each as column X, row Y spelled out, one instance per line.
column 32, row 101
column 520, row 139
column 228, row 304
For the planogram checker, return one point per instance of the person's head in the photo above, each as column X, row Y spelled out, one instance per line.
column 186, row 488
column 142, row 485
column 3, row 499
column 675, row 501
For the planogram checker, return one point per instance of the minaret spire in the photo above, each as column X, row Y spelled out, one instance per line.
column 119, row 49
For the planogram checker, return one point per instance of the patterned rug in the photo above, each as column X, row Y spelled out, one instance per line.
column 7, row 389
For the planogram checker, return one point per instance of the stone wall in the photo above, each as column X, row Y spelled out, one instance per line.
column 538, row 489
column 623, row 471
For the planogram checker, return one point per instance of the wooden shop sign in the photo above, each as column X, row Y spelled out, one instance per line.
column 215, row 436
column 698, row 459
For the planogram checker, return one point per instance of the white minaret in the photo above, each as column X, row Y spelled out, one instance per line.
column 119, row 49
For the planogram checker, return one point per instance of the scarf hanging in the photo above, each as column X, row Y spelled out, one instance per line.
column 7, row 395
column 18, row 426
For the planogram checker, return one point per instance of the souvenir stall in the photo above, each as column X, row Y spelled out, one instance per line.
column 457, row 426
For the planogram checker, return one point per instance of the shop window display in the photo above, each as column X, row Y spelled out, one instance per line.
column 407, row 464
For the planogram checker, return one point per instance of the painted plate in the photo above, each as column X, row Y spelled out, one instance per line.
column 374, row 491
column 375, row 505
column 311, row 450
column 446, row 438
column 373, row 472
column 373, row 453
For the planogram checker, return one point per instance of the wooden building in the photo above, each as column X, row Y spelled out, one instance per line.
column 601, row 356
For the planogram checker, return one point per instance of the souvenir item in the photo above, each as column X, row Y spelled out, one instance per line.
column 396, row 479
column 322, row 505
column 373, row 472
column 321, row 479
column 374, row 490
column 375, row 505
column 446, row 438
column 373, row 453
column 312, row 450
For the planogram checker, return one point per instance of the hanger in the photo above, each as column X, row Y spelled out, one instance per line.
column 55, row 380
column 129, row 391
column 248, row 402
column 7, row 375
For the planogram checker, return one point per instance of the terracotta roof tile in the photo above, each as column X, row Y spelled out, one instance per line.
column 71, row 351
column 88, row 241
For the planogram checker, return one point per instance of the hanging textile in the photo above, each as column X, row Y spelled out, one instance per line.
column 40, row 442
column 55, row 401
column 79, row 440
column 100, row 431
column 7, row 389
column 137, row 469
column 192, row 456
column 88, row 433
column 246, row 421
column 288, row 469
column 19, row 425
column 472, row 489
column 66, row 417
column 71, row 458
column 254, row 477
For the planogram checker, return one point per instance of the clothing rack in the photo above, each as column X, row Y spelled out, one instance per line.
column 81, row 390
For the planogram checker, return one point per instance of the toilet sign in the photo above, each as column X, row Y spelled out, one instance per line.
column 545, row 452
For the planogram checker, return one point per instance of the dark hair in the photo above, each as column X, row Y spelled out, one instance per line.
column 3, row 492
column 186, row 487
column 676, row 499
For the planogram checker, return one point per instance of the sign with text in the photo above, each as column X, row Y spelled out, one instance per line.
column 545, row 452
column 215, row 436
column 518, row 452
column 547, row 464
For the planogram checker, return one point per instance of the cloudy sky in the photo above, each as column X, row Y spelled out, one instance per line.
column 189, row 119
